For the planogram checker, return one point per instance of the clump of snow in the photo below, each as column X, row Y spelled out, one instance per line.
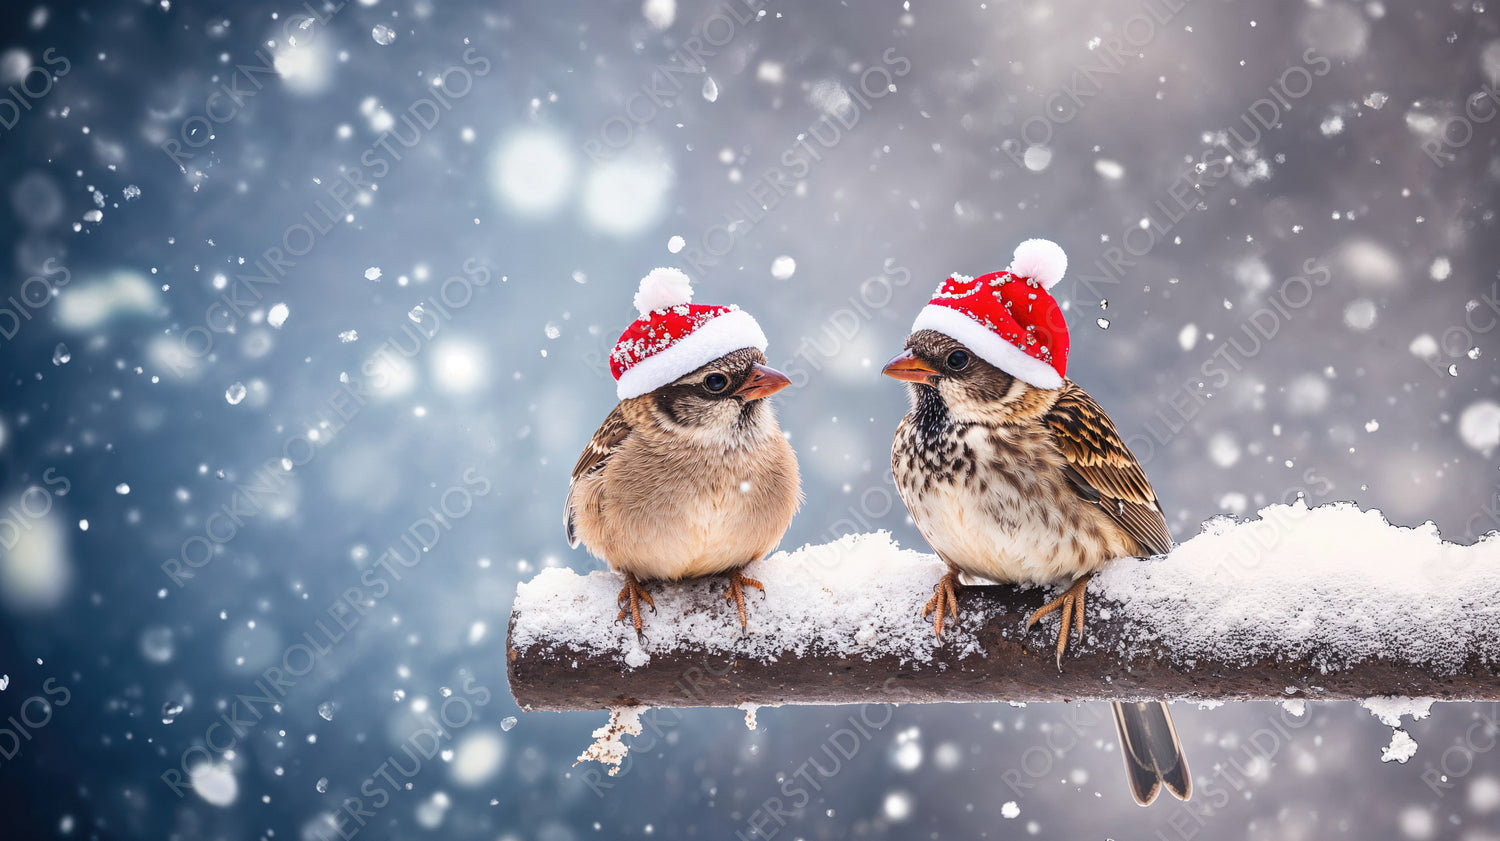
column 859, row 596
column 750, row 710
column 1011, row 810
column 1390, row 708
column 608, row 749
column 1401, row 748
column 1295, row 706
column 1334, row 585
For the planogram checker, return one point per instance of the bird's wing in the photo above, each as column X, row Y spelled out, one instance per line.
column 1104, row 471
column 595, row 456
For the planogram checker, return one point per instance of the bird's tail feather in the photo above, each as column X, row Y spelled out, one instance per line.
column 1153, row 756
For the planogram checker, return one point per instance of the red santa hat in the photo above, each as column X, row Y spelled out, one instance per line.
column 674, row 336
column 1009, row 318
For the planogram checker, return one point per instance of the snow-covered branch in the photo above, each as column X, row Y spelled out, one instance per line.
column 1321, row 604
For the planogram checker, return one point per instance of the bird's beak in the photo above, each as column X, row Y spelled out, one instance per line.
column 763, row 382
column 906, row 366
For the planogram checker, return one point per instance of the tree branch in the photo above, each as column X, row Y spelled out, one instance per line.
column 1013, row 668
column 841, row 624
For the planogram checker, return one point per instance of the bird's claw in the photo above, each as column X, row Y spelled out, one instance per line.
column 944, row 600
column 630, row 598
column 1071, row 603
column 738, row 581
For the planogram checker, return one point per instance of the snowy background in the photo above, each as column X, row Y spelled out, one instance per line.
column 289, row 296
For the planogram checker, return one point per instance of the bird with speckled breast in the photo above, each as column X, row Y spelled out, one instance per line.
column 690, row 475
column 1014, row 474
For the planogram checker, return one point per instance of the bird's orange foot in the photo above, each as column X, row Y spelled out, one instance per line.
column 1071, row 604
column 944, row 600
column 738, row 581
column 630, row 598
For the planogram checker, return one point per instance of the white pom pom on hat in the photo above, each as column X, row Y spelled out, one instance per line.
column 663, row 289
column 1041, row 260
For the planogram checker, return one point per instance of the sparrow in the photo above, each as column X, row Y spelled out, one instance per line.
column 693, row 478
column 1014, row 473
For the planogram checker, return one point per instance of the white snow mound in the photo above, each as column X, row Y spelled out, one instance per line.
column 860, row 596
column 1334, row 584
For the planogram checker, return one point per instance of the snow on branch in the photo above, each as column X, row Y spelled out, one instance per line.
column 1329, row 603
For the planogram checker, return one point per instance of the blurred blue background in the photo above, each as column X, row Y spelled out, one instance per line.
column 306, row 317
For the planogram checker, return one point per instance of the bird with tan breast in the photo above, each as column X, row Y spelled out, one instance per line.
column 1014, row 474
column 690, row 476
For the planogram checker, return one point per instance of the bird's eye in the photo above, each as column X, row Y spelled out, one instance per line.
column 958, row 360
column 716, row 382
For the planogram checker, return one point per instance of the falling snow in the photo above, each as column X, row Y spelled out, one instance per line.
column 456, row 200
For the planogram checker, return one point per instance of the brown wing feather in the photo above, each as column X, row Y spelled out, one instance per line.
column 595, row 456
column 1110, row 474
